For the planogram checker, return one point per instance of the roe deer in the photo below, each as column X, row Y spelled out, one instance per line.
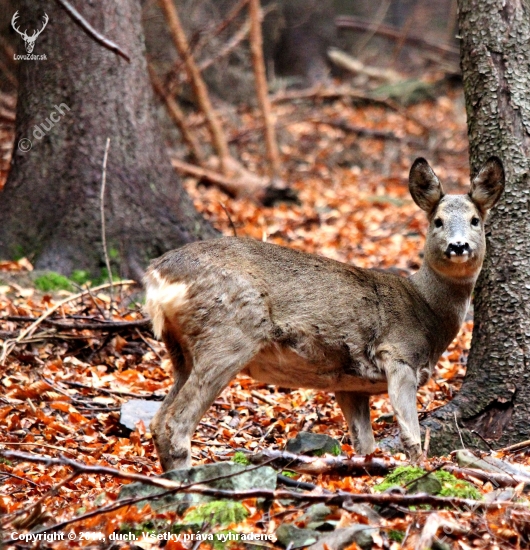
column 298, row 320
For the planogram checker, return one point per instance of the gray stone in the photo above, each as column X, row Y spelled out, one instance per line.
column 288, row 534
column 360, row 534
column 309, row 443
column 240, row 480
column 138, row 409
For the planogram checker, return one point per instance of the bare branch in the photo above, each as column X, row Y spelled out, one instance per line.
column 91, row 31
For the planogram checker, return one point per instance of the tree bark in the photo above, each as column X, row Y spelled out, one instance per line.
column 68, row 105
column 495, row 397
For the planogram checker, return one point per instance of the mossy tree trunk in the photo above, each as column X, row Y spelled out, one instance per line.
column 67, row 106
column 495, row 397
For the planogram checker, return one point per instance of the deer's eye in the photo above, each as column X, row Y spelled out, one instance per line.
column 438, row 222
column 475, row 221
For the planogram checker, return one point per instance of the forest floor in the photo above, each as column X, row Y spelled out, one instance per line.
column 62, row 386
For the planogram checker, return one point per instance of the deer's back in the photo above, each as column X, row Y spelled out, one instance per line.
column 303, row 309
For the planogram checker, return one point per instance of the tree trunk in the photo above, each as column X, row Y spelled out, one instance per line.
column 67, row 106
column 495, row 397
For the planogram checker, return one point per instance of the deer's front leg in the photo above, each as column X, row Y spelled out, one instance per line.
column 402, row 389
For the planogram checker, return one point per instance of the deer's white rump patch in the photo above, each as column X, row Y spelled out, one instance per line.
column 163, row 299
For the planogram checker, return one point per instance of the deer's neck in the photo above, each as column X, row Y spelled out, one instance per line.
column 448, row 297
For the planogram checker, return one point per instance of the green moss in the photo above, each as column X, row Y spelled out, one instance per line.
column 241, row 458
column 335, row 450
column 451, row 486
column 454, row 487
column 52, row 281
column 289, row 473
column 80, row 276
column 395, row 535
column 217, row 512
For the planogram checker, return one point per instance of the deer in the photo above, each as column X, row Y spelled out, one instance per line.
column 298, row 320
column 29, row 41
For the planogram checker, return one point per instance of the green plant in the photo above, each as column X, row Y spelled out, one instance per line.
column 217, row 512
column 240, row 458
column 450, row 485
column 80, row 276
column 52, row 281
column 395, row 535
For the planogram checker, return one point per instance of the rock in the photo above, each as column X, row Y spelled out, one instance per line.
column 501, row 494
column 363, row 510
column 289, row 535
column 362, row 535
column 315, row 517
column 240, row 480
column 428, row 484
column 138, row 409
column 306, row 443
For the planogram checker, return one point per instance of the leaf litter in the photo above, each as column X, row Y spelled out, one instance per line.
column 63, row 388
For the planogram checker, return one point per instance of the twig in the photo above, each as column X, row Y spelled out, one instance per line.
column 515, row 447
column 238, row 37
column 9, row 345
column 258, row 64
column 233, row 227
column 426, row 442
column 149, row 396
column 355, row 465
column 263, row 398
column 53, row 491
column 102, row 211
column 354, row 23
column 337, row 498
column 459, row 432
column 91, row 31
column 199, row 87
column 226, row 184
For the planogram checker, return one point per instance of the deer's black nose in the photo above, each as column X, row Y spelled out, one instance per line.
column 458, row 249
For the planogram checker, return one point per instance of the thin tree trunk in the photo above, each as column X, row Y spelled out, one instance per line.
column 256, row 48
column 199, row 88
column 495, row 397
column 68, row 105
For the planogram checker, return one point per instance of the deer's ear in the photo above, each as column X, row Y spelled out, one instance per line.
column 425, row 188
column 488, row 185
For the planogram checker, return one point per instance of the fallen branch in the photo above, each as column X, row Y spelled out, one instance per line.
column 337, row 498
column 495, row 478
column 515, row 447
column 320, row 92
column 149, row 396
column 242, row 184
column 9, row 345
column 370, row 132
column 347, row 62
column 354, row 23
column 91, row 31
column 303, row 464
column 109, row 326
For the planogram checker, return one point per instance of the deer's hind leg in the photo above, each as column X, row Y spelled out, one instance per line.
column 356, row 410
column 182, row 365
column 215, row 361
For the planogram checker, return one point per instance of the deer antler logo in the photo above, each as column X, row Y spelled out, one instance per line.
column 28, row 40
